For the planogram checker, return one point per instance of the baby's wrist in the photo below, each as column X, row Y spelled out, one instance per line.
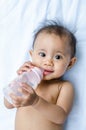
column 36, row 101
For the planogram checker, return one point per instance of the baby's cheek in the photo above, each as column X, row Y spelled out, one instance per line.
column 61, row 71
column 37, row 62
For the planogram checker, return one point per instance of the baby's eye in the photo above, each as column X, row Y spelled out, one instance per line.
column 58, row 57
column 42, row 54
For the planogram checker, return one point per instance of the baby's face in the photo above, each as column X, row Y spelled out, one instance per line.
column 51, row 53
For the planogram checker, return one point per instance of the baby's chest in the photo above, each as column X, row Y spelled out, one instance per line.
column 50, row 95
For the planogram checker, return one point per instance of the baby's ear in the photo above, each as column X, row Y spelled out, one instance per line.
column 72, row 62
column 31, row 52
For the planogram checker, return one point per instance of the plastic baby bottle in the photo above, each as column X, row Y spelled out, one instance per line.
column 32, row 78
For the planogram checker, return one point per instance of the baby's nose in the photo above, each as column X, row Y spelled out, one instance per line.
column 48, row 62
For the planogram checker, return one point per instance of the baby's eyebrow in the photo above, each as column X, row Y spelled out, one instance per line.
column 41, row 50
column 60, row 52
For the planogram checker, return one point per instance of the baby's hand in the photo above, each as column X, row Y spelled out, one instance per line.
column 27, row 66
column 29, row 97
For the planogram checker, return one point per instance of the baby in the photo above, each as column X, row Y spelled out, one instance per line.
column 47, row 107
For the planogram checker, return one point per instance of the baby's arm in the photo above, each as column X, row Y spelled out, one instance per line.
column 59, row 112
column 56, row 113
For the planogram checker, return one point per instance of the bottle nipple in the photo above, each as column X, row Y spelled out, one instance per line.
column 39, row 72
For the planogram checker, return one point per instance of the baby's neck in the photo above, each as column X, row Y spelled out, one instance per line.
column 51, row 81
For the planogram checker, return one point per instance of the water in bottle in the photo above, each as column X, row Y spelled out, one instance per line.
column 32, row 78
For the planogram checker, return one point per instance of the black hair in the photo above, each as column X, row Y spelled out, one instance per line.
column 57, row 29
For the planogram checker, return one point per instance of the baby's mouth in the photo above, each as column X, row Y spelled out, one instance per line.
column 46, row 72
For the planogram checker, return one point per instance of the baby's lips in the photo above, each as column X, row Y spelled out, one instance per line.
column 46, row 72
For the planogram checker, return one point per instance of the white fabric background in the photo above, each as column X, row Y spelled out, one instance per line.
column 18, row 19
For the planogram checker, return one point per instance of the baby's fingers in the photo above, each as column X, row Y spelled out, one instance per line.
column 16, row 100
column 27, row 66
column 23, row 69
column 25, row 89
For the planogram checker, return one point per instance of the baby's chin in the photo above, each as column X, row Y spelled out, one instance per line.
column 47, row 77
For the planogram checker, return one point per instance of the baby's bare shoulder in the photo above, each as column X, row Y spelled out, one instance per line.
column 67, row 86
column 66, row 96
column 62, row 85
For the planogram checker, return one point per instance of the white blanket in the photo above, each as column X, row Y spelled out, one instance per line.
column 18, row 19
